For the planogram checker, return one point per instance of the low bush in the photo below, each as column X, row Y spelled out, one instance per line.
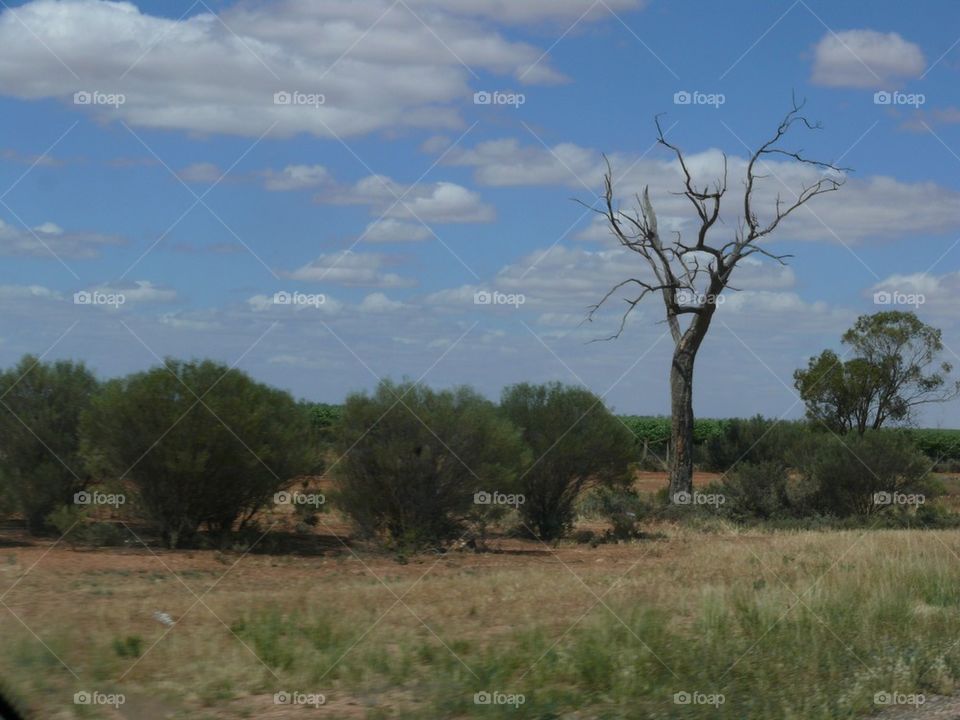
column 576, row 444
column 413, row 459
column 41, row 466
column 203, row 443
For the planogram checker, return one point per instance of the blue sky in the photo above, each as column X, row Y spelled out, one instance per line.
column 397, row 198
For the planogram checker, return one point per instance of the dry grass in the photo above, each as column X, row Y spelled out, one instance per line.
column 582, row 632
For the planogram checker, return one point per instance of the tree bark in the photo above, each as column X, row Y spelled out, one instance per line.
column 681, row 424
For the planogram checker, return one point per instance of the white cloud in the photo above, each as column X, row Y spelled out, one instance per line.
column 379, row 303
column 378, row 65
column 864, row 209
column 865, row 58
column 140, row 291
column 441, row 202
column 352, row 269
column 49, row 239
column 390, row 230
column 295, row 177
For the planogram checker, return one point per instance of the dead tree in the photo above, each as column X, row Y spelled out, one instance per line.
column 691, row 275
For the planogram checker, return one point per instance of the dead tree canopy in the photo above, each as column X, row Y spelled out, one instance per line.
column 690, row 273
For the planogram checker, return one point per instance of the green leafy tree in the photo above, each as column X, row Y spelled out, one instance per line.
column 577, row 444
column 893, row 371
column 40, row 408
column 411, row 460
column 204, row 444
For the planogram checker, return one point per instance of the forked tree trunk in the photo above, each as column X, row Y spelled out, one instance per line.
column 681, row 424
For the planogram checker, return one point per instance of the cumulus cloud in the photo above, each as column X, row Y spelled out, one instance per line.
column 202, row 172
column 50, row 240
column 295, row 177
column 864, row 209
column 352, row 269
column 441, row 202
column 865, row 58
column 140, row 291
column 369, row 65
column 390, row 230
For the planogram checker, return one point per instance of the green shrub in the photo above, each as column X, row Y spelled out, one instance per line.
column 758, row 490
column 576, row 444
column 203, row 443
column 40, row 411
column 845, row 474
column 754, row 440
column 411, row 460
column 623, row 508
